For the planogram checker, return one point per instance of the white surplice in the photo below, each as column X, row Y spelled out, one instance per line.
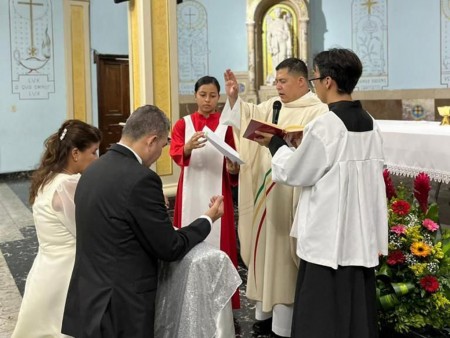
column 331, row 203
column 204, row 174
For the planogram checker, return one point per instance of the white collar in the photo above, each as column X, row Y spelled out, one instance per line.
column 135, row 154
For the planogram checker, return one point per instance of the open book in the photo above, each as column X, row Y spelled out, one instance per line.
column 286, row 133
column 221, row 146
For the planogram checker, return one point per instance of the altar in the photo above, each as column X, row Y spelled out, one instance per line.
column 411, row 147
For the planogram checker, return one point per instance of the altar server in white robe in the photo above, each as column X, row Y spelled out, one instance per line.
column 266, row 209
column 341, row 219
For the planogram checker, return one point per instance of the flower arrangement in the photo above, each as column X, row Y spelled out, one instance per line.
column 414, row 279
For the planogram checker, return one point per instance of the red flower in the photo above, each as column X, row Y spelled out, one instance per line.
column 390, row 189
column 401, row 207
column 421, row 189
column 429, row 283
column 395, row 257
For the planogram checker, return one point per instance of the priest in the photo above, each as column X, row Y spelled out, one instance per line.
column 266, row 209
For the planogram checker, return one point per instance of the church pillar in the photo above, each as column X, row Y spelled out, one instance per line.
column 303, row 39
column 76, row 31
column 153, row 63
column 251, row 57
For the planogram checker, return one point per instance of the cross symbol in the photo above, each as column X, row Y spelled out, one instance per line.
column 190, row 15
column 31, row 4
column 369, row 5
column 417, row 111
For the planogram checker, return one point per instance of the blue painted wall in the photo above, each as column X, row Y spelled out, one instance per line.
column 413, row 37
column 413, row 40
column 227, row 36
column 25, row 124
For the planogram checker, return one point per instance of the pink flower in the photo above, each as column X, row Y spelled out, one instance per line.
column 430, row 225
column 421, row 189
column 399, row 229
column 401, row 207
column 390, row 190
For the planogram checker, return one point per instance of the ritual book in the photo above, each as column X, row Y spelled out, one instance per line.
column 266, row 127
column 221, row 146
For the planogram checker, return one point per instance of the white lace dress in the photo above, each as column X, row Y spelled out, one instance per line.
column 45, row 293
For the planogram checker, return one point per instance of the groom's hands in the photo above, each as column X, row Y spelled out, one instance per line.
column 215, row 210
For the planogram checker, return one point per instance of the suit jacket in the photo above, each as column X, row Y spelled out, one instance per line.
column 123, row 228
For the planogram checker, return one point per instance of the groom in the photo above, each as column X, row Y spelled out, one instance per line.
column 123, row 228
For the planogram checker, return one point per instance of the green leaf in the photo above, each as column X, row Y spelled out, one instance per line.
column 402, row 288
column 433, row 212
column 384, row 272
column 446, row 245
column 388, row 301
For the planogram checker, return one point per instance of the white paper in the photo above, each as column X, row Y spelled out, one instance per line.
column 221, row 146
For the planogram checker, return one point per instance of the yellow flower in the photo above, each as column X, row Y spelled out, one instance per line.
column 420, row 249
column 440, row 301
column 437, row 251
column 418, row 268
column 414, row 233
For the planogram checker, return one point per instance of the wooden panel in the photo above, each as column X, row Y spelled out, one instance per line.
column 113, row 98
column 384, row 109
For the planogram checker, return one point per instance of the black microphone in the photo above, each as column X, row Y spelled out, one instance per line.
column 276, row 111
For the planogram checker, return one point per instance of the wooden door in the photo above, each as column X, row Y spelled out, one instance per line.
column 113, row 88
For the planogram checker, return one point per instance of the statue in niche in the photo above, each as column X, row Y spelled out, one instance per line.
column 279, row 39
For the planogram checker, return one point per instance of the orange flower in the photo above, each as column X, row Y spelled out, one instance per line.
column 420, row 249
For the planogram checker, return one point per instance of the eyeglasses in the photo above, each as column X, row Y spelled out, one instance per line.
column 315, row 78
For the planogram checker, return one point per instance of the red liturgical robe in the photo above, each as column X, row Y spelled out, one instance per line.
column 188, row 193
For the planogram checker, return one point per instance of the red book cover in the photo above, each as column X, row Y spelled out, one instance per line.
column 267, row 127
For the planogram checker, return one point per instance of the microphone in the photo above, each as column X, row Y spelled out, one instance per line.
column 276, row 111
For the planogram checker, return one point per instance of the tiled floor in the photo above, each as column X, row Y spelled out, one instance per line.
column 18, row 246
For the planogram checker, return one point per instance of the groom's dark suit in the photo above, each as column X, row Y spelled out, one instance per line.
column 123, row 228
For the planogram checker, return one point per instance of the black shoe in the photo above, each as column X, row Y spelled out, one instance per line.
column 263, row 326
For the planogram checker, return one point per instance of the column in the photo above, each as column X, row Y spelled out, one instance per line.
column 251, row 57
column 76, row 31
column 303, row 39
column 153, row 62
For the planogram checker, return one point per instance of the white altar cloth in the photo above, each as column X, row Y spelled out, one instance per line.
column 411, row 147
column 194, row 295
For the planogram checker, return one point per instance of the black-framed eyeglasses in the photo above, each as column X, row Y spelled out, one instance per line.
column 315, row 78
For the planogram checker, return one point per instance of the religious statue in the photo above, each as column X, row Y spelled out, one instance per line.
column 279, row 39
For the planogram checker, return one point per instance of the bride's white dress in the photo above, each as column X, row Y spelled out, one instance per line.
column 47, row 283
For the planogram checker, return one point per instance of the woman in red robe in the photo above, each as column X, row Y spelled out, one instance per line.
column 204, row 170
